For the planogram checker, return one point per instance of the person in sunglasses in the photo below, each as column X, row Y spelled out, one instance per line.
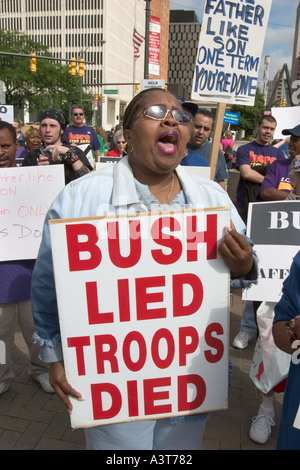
column 53, row 122
column 149, row 177
column 78, row 133
column 120, row 142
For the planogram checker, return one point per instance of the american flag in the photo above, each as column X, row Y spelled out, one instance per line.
column 137, row 42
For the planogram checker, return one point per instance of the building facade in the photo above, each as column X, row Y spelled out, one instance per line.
column 100, row 32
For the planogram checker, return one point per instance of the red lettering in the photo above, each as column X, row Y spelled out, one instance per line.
column 124, row 301
column 143, row 298
column 78, row 343
column 96, row 392
column 114, row 244
column 94, row 316
column 213, row 342
column 194, row 237
column 150, row 396
column 139, row 339
column 163, row 333
column 185, row 347
column 179, row 309
column 108, row 355
column 167, row 240
column 183, row 384
column 133, row 403
column 75, row 247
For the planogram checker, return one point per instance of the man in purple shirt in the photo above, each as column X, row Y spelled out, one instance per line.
column 80, row 134
column 15, row 282
column 276, row 185
column 253, row 161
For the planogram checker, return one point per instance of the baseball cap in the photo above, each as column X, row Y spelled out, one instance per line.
column 295, row 165
column 189, row 106
column 295, row 131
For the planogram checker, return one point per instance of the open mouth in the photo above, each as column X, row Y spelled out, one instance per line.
column 167, row 142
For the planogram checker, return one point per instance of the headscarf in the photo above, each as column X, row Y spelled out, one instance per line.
column 56, row 114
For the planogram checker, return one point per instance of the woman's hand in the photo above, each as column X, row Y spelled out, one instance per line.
column 237, row 253
column 62, row 388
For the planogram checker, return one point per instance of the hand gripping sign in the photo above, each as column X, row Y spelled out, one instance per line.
column 144, row 307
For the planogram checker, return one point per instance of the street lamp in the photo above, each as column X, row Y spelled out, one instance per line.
column 81, row 53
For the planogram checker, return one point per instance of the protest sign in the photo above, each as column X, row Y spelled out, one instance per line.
column 274, row 227
column 143, row 306
column 287, row 118
column 7, row 113
column 230, row 46
column 26, row 194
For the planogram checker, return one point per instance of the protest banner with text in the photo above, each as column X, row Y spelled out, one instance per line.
column 143, row 306
column 274, row 227
column 26, row 194
column 230, row 46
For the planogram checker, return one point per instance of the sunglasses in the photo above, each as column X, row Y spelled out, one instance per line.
column 77, row 114
column 159, row 113
column 121, row 142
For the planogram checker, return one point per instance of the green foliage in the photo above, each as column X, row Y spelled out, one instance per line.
column 50, row 86
column 249, row 115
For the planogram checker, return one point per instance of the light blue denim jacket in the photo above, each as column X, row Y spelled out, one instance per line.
column 110, row 191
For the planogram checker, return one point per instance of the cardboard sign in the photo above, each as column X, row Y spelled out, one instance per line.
column 230, row 46
column 144, row 310
column 274, row 227
column 26, row 194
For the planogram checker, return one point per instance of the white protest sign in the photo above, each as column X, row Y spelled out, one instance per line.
column 143, row 305
column 230, row 46
column 287, row 118
column 274, row 227
column 26, row 194
column 7, row 113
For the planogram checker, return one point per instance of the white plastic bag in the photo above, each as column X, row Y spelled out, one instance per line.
column 269, row 365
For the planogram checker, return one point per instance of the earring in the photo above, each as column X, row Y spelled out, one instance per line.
column 127, row 150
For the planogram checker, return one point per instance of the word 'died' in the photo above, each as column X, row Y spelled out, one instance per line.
column 84, row 246
column 283, row 219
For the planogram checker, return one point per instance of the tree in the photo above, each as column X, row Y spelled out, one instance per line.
column 50, row 86
column 249, row 115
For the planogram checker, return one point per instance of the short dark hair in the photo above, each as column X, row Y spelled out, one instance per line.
column 10, row 128
column 77, row 106
column 135, row 104
column 205, row 112
column 266, row 117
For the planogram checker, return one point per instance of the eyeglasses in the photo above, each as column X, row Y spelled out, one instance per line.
column 159, row 113
column 77, row 114
column 121, row 142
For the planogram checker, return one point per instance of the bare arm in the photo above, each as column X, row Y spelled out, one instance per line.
column 251, row 175
column 273, row 194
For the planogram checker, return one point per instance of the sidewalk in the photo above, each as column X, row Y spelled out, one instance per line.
column 33, row 419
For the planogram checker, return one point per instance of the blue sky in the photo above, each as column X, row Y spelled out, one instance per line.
column 280, row 32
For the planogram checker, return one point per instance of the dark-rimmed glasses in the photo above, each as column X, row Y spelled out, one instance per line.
column 159, row 113
column 77, row 114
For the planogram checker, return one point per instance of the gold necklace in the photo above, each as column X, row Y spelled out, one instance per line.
column 170, row 190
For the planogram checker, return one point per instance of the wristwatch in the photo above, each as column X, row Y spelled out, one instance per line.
column 70, row 156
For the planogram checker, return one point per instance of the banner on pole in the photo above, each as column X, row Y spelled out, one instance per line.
column 144, row 311
column 230, row 46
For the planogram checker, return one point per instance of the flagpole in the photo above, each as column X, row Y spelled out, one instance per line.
column 146, row 63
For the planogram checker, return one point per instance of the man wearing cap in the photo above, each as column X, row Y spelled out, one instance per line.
column 201, row 131
column 52, row 125
column 277, row 185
